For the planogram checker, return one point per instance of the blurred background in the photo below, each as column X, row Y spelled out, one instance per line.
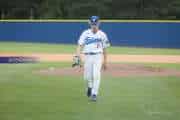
column 75, row 9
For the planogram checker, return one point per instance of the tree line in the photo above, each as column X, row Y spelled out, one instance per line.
column 81, row 9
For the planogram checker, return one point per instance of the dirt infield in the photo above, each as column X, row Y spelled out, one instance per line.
column 113, row 69
column 111, row 58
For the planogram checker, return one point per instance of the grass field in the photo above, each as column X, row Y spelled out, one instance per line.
column 59, row 48
column 25, row 95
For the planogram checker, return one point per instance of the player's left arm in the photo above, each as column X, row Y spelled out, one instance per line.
column 106, row 44
column 105, row 59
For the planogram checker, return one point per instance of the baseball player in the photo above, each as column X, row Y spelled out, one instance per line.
column 92, row 43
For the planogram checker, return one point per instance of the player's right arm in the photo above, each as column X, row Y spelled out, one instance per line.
column 80, row 46
column 78, row 50
column 77, row 57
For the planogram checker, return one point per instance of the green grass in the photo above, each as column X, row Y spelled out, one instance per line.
column 25, row 95
column 61, row 48
column 35, row 47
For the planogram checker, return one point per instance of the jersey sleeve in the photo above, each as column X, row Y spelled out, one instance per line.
column 105, row 42
column 82, row 38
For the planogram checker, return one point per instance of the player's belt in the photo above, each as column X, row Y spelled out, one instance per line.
column 92, row 53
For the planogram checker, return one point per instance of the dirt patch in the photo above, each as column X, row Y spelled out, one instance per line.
column 115, row 70
column 47, row 57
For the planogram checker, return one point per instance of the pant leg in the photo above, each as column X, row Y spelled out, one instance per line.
column 88, row 71
column 97, row 64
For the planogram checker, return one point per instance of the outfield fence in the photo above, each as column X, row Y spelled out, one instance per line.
column 143, row 33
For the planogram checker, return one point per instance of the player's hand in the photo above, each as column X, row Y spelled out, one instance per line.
column 104, row 66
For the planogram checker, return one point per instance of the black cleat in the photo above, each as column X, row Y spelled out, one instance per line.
column 89, row 92
column 94, row 98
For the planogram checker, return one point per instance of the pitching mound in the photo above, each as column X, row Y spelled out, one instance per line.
column 116, row 70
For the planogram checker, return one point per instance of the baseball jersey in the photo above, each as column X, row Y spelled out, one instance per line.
column 93, row 42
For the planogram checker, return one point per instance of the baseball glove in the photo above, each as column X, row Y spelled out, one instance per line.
column 76, row 61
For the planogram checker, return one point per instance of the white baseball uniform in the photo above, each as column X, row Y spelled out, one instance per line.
column 93, row 45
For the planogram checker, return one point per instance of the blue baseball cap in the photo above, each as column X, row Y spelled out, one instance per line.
column 94, row 20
